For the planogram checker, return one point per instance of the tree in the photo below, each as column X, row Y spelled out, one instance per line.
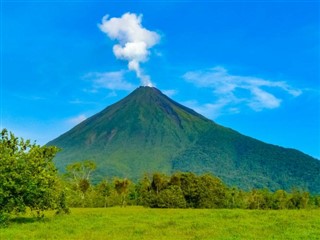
column 80, row 173
column 81, row 170
column 103, row 191
column 146, row 195
column 28, row 177
column 298, row 199
column 161, row 192
column 159, row 182
column 171, row 197
column 280, row 199
column 212, row 192
column 190, row 187
column 235, row 198
column 122, row 186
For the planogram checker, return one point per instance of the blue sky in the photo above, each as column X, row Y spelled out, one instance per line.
column 249, row 65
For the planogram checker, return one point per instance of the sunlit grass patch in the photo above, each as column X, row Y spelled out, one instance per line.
column 145, row 223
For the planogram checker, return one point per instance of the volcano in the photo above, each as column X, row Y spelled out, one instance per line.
column 148, row 132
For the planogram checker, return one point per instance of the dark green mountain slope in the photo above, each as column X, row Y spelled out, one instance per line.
column 147, row 132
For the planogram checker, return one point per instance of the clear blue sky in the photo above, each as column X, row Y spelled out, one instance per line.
column 252, row 66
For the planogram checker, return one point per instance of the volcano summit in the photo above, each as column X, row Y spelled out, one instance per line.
column 148, row 132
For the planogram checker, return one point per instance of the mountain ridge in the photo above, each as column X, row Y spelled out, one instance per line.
column 148, row 132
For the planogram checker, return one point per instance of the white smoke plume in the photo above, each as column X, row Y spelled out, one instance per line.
column 134, row 41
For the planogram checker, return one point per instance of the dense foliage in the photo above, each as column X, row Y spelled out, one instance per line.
column 183, row 190
column 28, row 177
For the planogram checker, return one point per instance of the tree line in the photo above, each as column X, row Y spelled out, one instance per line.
column 29, row 180
column 181, row 190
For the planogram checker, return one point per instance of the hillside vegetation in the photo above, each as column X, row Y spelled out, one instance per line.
column 148, row 132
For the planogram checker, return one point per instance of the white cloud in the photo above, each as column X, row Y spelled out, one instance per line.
column 212, row 110
column 262, row 99
column 78, row 101
column 76, row 120
column 169, row 92
column 233, row 91
column 109, row 80
column 134, row 41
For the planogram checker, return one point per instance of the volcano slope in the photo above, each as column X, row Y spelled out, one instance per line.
column 148, row 132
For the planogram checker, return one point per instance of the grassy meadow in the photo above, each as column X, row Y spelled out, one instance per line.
column 145, row 223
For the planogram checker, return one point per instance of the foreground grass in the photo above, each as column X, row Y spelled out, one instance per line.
column 143, row 223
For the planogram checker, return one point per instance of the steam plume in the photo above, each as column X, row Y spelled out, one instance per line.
column 134, row 41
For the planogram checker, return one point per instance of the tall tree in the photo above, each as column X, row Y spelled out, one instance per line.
column 79, row 174
column 212, row 192
column 159, row 182
column 122, row 186
column 103, row 190
column 28, row 177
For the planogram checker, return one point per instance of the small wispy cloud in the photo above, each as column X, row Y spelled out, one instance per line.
column 76, row 120
column 30, row 97
column 81, row 102
column 208, row 109
column 109, row 80
column 232, row 92
column 170, row 92
column 134, row 41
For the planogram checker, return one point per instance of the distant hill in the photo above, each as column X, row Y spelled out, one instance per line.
column 147, row 132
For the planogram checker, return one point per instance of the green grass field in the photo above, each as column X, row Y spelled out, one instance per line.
column 143, row 223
